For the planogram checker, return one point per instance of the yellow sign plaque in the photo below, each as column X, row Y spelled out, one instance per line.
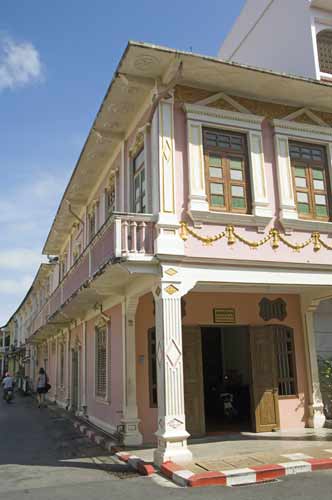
column 224, row 316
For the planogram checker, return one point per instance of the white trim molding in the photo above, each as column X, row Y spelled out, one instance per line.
column 251, row 125
column 284, row 131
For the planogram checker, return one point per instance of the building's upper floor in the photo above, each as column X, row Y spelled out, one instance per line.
column 290, row 36
column 193, row 158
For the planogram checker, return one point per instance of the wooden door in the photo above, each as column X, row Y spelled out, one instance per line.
column 264, row 379
column 193, row 380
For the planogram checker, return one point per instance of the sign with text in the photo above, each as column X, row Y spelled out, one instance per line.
column 224, row 316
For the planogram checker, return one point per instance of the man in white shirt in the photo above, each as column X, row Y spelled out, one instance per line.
column 8, row 384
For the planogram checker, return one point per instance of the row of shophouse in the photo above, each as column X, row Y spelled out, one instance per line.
column 191, row 254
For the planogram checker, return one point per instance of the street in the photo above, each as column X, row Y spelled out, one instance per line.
column 43, row 457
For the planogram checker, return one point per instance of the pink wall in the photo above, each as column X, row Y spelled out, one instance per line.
column 109, row 412
column 199, row 311
column 239, row 251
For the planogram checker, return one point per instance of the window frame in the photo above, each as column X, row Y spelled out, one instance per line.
column 102, row 397
column 137, row 173
column 200, row 116
column 309, row 166
column 320, row 56
column 285, row 329
column 110, row 188
column 227, row 182
column 286, row 131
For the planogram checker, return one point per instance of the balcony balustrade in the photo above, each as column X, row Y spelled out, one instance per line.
column 122, row 236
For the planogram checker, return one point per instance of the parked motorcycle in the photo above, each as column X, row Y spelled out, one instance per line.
column 228, row 403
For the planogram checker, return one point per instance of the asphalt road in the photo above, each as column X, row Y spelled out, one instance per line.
column 42, row 457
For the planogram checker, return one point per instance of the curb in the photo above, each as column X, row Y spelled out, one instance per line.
column 142, row 467
column 98, row 439
column 235, row 477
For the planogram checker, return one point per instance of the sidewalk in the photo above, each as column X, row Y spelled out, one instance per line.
column 240, row 457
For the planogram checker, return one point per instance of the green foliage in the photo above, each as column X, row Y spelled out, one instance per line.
column 325, row 372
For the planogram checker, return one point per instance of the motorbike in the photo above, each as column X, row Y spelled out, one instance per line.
column 228, row 403
column 8, row 395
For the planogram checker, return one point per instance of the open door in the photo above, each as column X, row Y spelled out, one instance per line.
column 264, row 379
column 193, row 380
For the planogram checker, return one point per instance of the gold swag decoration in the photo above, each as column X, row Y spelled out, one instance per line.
column 274, row 236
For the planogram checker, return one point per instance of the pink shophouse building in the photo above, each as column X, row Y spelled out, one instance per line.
column 192, row 250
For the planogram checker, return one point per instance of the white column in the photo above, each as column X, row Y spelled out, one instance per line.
column 316, row 406
column 197, row 191
column 285, row 182
column 167, row 227
column 172, row 435
column 130, row 421
column 84, row 369
column 261, row 204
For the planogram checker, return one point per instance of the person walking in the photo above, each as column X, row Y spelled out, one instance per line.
column 42, row 387
column 8, row 387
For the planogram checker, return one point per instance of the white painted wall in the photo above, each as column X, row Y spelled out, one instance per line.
column 276, row 35
column 323, row 329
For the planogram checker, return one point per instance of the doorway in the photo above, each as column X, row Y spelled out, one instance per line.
column 226, row 375
column 75, row 381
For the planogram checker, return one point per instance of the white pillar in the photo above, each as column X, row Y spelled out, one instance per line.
column 84, row 369
column 56, row 368
column 316, row 406
column 172, row 435
column 130, row 421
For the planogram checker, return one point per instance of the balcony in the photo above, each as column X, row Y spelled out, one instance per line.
column 122, row 237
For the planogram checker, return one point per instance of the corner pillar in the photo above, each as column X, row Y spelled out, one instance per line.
column 130, row 421
column 316, row 417
column 171, row 434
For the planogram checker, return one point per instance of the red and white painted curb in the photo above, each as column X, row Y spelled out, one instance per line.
column 143, row 468
column 98, row 439
column 137, row 463
column 235, row 477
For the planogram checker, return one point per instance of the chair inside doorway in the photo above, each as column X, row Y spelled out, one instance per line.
column 226, row 379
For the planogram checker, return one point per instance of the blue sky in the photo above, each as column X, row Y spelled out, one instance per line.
column 56, row 62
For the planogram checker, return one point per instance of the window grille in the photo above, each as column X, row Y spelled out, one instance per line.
column 324, row 46
column 101, row 361
column 285, row 360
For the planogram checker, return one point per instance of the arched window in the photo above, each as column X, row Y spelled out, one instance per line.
column 324, row 46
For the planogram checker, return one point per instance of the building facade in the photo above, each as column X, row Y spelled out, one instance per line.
column 190, row 255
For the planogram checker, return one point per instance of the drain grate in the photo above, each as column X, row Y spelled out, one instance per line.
column 267, row 481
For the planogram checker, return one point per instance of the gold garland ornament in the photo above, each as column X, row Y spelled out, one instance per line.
column 274, row 236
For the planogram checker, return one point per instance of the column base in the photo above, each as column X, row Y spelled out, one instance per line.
column 172, row 448
column 131, row 435
column 317, row 417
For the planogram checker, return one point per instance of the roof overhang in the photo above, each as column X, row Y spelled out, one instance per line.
column 322, row 4
column 141, row 66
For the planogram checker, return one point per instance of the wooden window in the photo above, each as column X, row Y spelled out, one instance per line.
column 284, row 339
column 324, row 47
column 101, row 361
column 110, row 199
column 139, row 183
column 226, row 171
column 311, row 181
column 152, row 368
column 92, row 224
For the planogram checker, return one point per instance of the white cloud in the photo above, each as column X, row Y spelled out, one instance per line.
column 19, row 259
column 20, row 63
column 16, row 286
